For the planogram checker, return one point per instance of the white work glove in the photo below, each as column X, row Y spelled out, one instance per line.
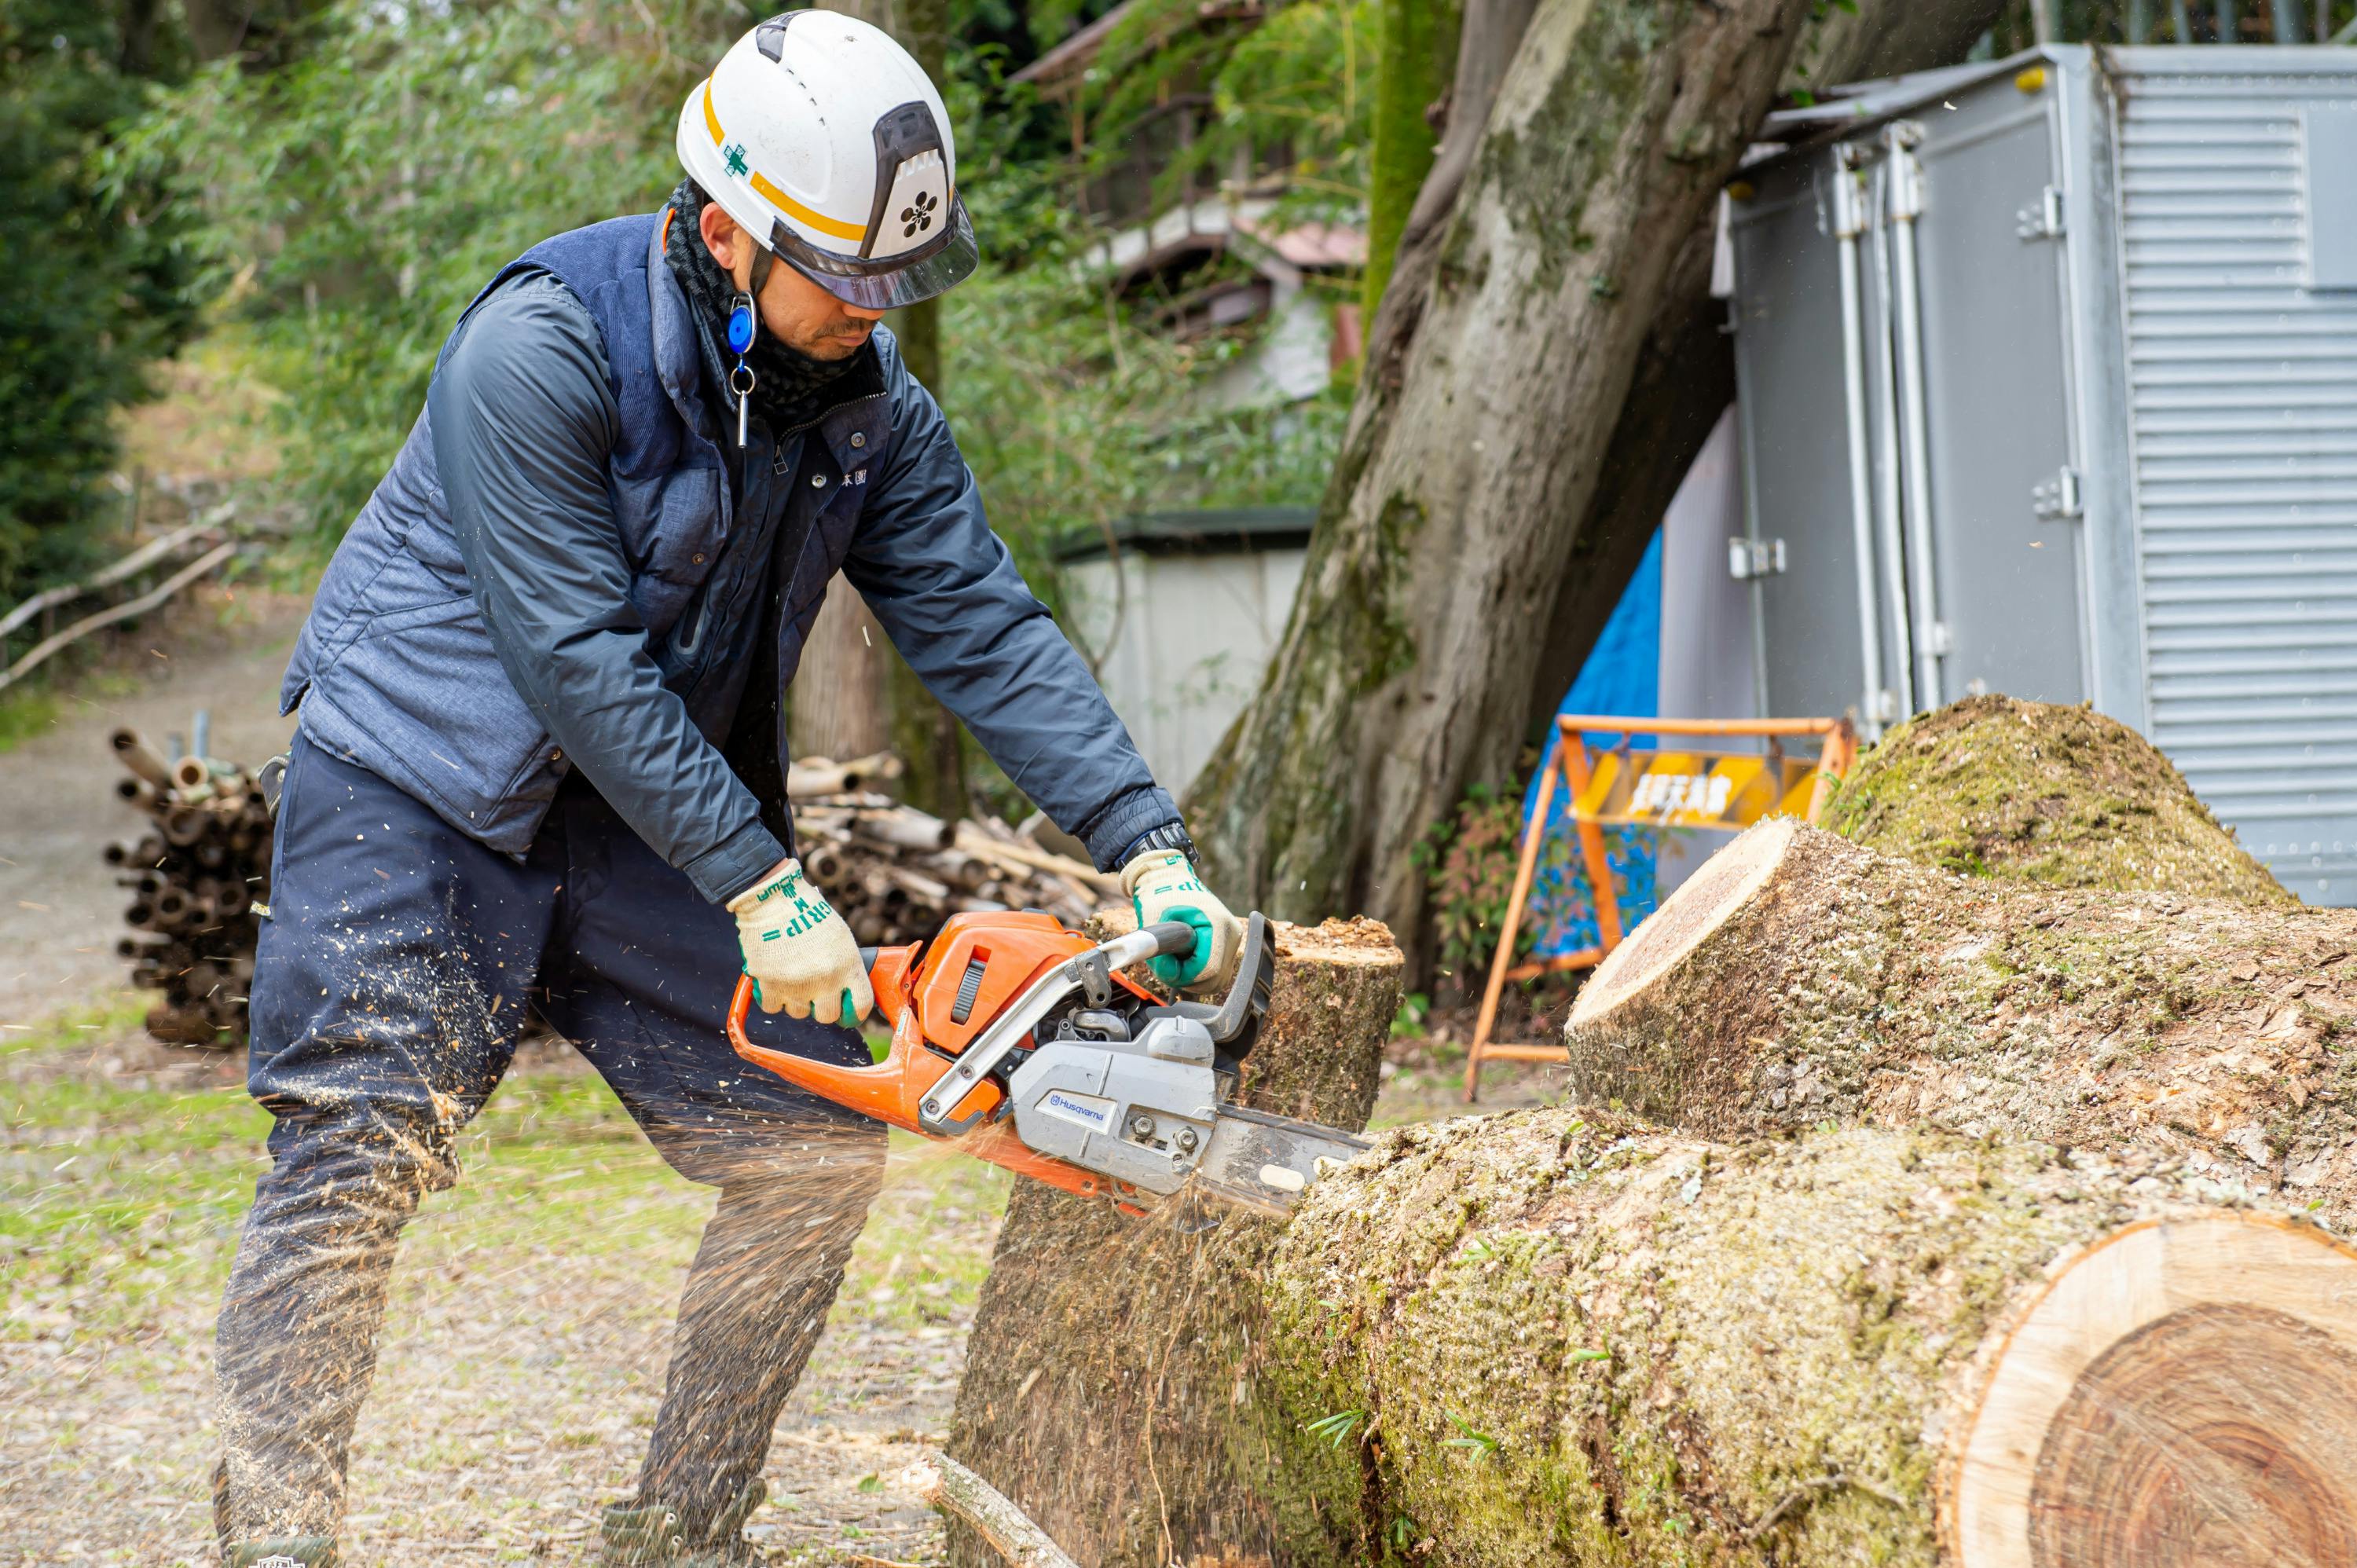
column 799, row 951
column 1162, row 886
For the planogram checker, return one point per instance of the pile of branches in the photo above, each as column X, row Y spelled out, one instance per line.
column 896, row 872
column 194, row 875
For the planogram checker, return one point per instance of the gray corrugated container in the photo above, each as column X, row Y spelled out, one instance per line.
column 2124, row 283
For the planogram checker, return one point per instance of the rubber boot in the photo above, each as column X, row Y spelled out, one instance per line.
column 648, row 1534
column 286, row 1552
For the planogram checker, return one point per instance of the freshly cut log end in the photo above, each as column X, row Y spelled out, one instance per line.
column 1706, row 901
column 2183, row 1395
column 2063, row 796
column 1569, row 1336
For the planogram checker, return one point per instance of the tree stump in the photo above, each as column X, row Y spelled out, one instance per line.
column 1111, row 1388
column 1568, row 1337
column 1798, row 978
column 2065, row 796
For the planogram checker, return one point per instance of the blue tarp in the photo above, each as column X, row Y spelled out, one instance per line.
column 1622, row 675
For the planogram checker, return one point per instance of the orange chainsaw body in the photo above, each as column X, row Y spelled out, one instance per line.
column 918, row 990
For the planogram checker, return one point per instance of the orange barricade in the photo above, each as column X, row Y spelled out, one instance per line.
column 1721, row 790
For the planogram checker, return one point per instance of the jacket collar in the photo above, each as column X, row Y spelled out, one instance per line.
column 678, row 360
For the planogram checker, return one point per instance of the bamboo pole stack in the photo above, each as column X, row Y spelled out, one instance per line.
column 195, row 874
column 896, row 872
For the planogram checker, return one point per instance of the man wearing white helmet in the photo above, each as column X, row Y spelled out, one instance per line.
column 539, row 766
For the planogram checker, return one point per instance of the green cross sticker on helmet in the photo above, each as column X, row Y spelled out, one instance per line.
column 826, row 142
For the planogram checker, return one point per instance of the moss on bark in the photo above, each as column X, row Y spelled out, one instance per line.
column 2208, row 1035
column 1995, row 787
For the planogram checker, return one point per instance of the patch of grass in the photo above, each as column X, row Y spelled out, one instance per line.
column 922, row 1258
column 25, row 712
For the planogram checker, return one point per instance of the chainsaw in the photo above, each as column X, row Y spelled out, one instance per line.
column 1022, row 1043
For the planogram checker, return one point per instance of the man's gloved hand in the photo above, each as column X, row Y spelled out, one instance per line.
column 799, row 951
column 1162, row 886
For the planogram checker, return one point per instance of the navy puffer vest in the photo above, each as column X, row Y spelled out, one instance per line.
column 394, row 669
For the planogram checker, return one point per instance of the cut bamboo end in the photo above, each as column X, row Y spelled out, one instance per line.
column 2182, row 1394
column 1710, row 898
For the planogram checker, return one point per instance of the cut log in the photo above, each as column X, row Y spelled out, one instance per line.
column 141, row 758
column 823, row 775
column 2065, row 796
column 904, row 827
column 1564, row 1336
column 1110, row 1379
column 1798, row 978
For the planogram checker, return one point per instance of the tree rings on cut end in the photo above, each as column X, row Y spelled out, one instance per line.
column 1709, row 900
column 2183, row 1394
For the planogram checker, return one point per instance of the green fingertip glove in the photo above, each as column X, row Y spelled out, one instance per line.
column 1162, row 886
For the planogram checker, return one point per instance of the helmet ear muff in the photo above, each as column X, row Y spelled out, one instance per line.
column 911, row 181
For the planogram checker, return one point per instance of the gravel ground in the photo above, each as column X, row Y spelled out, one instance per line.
column 522, row 1355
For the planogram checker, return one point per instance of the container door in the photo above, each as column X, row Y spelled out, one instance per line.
column 1795, row 452
column 1996, row 369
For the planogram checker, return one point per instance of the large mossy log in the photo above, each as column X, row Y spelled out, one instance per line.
column 1998, row 787
column 1111, row 1369
column 1565, row 1337
column 1798, row 978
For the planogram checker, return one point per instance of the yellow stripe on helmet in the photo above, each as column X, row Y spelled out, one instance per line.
column 811, row 216
column 779, row 199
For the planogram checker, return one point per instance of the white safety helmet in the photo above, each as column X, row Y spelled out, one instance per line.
column 827, row 143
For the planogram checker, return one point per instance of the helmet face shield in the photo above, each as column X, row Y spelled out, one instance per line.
column 891, row 283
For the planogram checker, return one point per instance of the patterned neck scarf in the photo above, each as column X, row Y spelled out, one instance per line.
column 790, row 389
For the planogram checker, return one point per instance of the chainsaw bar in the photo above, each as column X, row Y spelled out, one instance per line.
column 1257, row 1161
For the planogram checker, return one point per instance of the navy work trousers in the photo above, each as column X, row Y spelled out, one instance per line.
column 397, row 967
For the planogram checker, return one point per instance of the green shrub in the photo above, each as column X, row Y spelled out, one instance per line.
column 91, row 290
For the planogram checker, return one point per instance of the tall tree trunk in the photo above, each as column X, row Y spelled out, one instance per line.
column 1412, row 71
column 1538, row 268
column 836, row 707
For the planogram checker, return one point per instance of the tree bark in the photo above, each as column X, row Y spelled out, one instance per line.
column 1528, row 285
column 1412, row 71
column 1565, row 1337
column 1799, row 978
column 1108, row 1390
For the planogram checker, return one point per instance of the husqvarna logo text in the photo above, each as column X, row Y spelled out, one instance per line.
column 1064, row 1105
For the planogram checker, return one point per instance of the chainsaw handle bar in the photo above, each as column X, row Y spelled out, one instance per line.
column 1172, row 939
